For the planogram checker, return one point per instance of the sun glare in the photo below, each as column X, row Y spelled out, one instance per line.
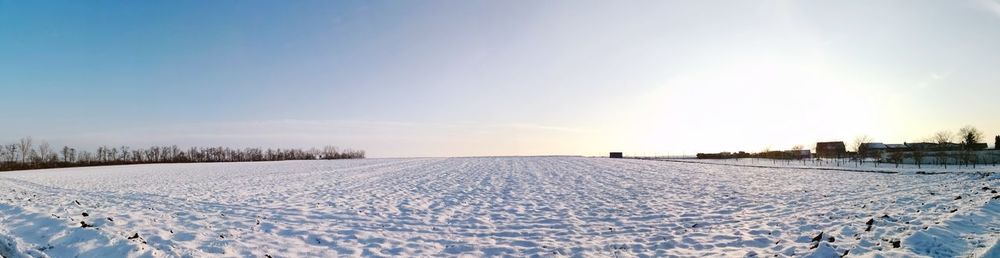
column 748, row 104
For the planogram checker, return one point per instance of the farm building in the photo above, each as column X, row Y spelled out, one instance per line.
column 871, row 148
column 616, row 155
column 896, row 147
column 924, row 146
column 800, row 154
column 929, row 146
column 831, row 149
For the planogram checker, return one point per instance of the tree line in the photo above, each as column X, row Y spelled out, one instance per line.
column 937, row 149
column 26, row 154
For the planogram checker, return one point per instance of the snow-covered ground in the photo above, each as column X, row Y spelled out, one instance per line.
column 848, row 165
column 545, row 206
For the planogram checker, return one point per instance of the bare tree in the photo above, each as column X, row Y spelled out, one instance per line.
column 44, row 150
column 941, row 137
column 34, row 157
column 874, row 154
column 12, row 152
column 896, row 157
column 24, row 155
column 85, row 157
column 101, row 156
column 25, row 145
column 970, row 136
column 124, row 153
column 3, row 155
column 858, row 146
column 112, row 154
column 69, row 154
column 918, row 156
column 137, row 156
column 860, row 141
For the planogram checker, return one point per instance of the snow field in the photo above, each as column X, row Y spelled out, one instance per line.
column 522, row 206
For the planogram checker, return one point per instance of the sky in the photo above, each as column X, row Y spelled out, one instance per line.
column 473, row 78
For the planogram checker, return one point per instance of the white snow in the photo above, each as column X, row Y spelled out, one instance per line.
column 512, row 206
column 848, row 165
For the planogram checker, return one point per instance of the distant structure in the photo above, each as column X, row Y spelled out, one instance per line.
column 785, row 154
column 996, row 143
column 616, row 155
column 800, row 154
column 931, row 146
column 978, row 146
column 831, row 149
column 723, row 155
column 720, row 155
column 895, row 147
column 924, row 146
column 872, row 148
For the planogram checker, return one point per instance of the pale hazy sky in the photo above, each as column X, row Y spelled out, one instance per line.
column 456, row 78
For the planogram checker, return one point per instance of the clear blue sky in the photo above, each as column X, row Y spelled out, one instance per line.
column 452, row 78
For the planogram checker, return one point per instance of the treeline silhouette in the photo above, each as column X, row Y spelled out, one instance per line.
column 25, row 154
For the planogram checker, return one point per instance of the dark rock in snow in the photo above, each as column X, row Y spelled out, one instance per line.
column 954, row 210
column 85, row 214
column 136, row 235
column 831, row 239
column 110, row 219
column 958, row 197
column 83, row 224
column 870, row 222
column 818, row 237
column 895, row 243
